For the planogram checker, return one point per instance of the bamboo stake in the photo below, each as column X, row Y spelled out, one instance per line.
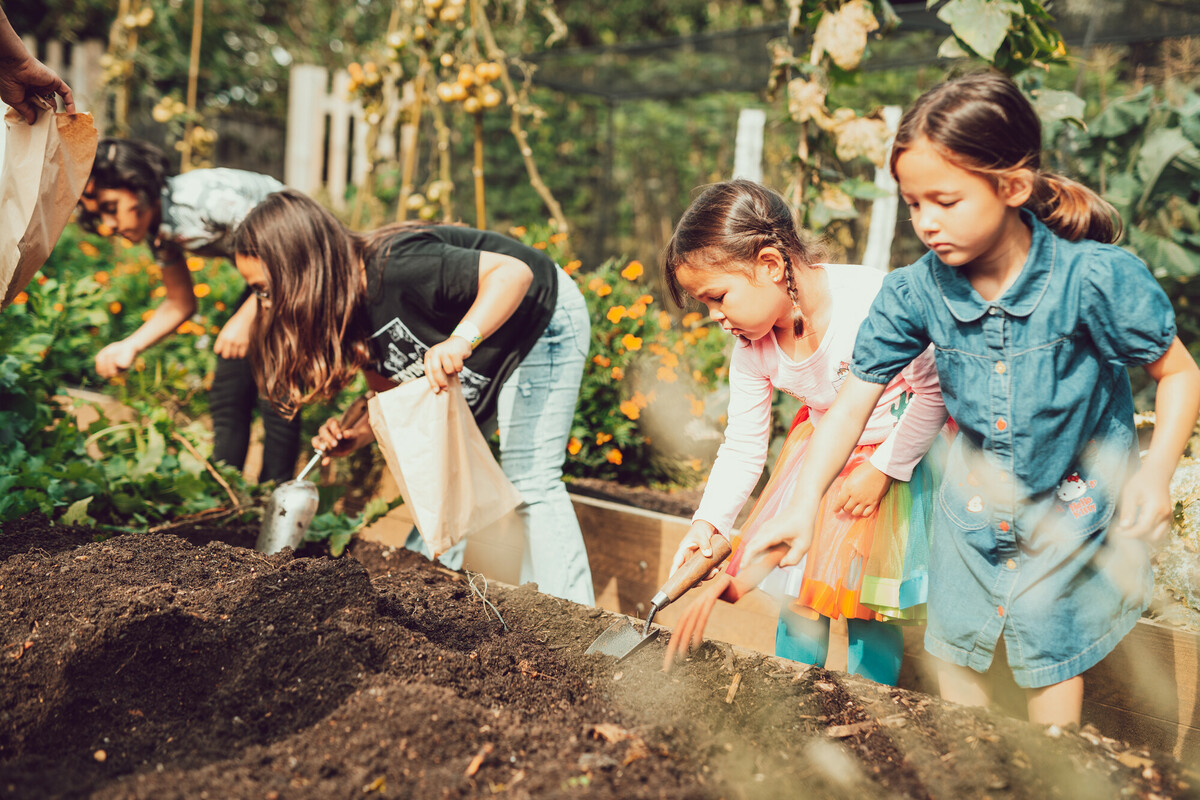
column 477, row 171
column 409, row 167
column 518, row 131
column 443, row 151
column 121, row 92
column 185, row 162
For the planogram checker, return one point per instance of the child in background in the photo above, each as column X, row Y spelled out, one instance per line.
column 131, row 195
column 429, row 302
column 737, row 250
column 1033, row 316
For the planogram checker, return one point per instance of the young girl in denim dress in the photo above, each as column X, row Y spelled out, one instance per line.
column 737, row 249
column 1045, row 512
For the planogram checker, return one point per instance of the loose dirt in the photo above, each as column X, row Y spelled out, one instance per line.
column 190, row 666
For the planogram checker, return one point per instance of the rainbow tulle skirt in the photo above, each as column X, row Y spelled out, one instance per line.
column 874, row 567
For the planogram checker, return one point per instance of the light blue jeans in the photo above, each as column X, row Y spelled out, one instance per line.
column 536, row 407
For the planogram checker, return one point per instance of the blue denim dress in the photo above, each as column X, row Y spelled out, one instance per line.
column 1036, row 381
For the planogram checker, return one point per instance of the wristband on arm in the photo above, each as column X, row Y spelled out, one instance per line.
column 469, row 331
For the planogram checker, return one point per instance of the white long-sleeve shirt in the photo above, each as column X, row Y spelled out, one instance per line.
column 908, row 417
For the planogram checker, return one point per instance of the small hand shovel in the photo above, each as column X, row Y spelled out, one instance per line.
column 621, row 639
column 294, row 503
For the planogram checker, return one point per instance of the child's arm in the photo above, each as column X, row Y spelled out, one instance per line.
column 1146, row 508
column 179, row 304
column 905, row 445
column 503, row 283
column 830, row 447
column 234, row 339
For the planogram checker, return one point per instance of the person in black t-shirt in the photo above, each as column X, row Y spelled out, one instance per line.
column 413, row 301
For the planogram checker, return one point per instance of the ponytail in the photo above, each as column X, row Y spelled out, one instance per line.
column 1072, row 210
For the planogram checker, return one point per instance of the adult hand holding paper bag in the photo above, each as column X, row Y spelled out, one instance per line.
column 46, row 166
column 445, row 470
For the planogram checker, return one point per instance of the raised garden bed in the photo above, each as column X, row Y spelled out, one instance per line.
column 151, row 666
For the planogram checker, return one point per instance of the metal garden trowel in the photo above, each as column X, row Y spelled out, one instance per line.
column 293, row 504
column 621, row 639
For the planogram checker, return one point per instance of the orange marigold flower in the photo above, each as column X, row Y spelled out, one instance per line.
column 21, row 299
column 631, row 342
column 630, row 409
column 641, row 399
column 637, row 310
column 147, row 314
column 114, row 307
column 664, row 320
column 602, row 361
column 657, row 349
column 646, row 299
column 101, row 277
column 667, row 375
column 701, row 333
column 696, row 464
column 603, row 437
column 559, row 237
column 572, row 267
column 670, row 360
column 697, row 376
column 614, row 456
column 88, row 249
column 633, row 271
column 58, row 306
column 594, row 284
column 539, row 245
column 518, row 231
column 41, row 280
column 691, row 318
column 195, row 264
column 202, row 290
column 104, row 230
column 616, row 314
column 159, row 291
column 219, row 306
column 618, row 374
column 604, row 291
column 574, row 446
column 697, row 405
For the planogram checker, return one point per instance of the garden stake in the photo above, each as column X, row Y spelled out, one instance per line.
column 294, row 503
column 622, row 638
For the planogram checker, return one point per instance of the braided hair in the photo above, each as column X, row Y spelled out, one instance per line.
column 727, row 225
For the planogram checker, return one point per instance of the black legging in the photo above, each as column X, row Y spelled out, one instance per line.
column 232, row 400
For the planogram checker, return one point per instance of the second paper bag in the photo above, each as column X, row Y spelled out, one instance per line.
column 445, row 470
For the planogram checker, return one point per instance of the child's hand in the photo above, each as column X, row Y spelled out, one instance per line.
column 234, row 339
column 792, row 528
column 445, row 359
column 862, row 490
column 697, row 538
column 115, row 358
column 689, row 631
column 1145, row 510
column 334, row 440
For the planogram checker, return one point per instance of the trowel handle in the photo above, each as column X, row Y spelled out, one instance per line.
column 350, row 417
column 355, row 411
column 695, row 568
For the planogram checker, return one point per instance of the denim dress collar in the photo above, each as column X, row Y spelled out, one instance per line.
column 1020, row 299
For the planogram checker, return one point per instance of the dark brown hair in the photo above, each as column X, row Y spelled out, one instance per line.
column 982, row 123
column 311, row 339
column 727, row 225
column 129, row 164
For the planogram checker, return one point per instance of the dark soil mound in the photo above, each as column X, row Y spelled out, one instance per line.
column 150, row 667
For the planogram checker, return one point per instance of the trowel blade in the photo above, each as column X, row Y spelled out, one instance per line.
column 620, row 640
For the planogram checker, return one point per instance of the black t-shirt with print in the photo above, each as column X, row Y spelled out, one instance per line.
column 421, row 282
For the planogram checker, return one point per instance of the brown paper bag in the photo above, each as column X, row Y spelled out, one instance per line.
column 46, row 165
column 441, row 462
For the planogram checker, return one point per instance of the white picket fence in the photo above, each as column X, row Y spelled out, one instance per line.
column 319, row 166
